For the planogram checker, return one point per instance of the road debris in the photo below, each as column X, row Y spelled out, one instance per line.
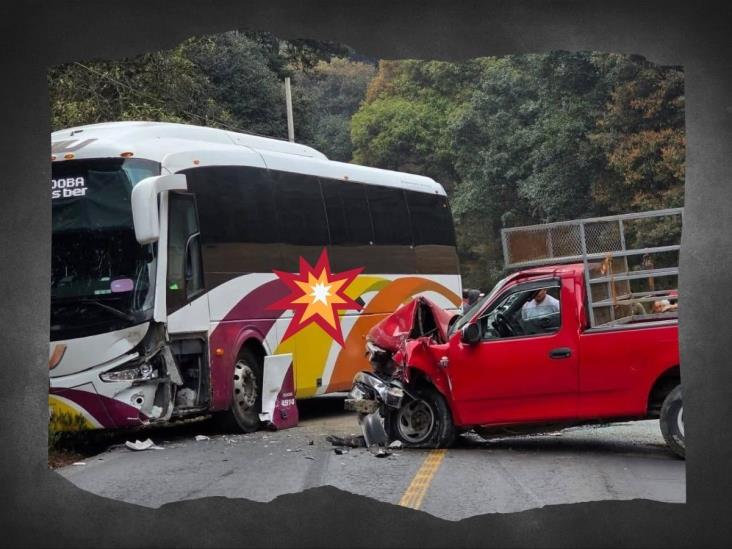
column 79, row 463
column 142, row 445
column 396, row 444
column 202, row 437
column 340, row 451
column 350, row 441
column 381, row 452
column 309, row 457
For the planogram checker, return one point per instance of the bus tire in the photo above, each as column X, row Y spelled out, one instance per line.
column 425, row 422
column 246, row 401
column 672, row 422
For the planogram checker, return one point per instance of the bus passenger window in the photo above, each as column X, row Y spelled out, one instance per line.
column 235, row 204
column 348, row 212
column 389, row 215
column 431, row 219
column 300, row 209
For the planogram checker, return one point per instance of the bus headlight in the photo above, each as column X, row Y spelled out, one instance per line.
column 140, row 372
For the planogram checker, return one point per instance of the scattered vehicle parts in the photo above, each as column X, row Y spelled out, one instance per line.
column 350, row 441
column 142, row 445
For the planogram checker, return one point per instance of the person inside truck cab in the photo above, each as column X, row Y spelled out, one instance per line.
column 542, row 299
column 521, row 313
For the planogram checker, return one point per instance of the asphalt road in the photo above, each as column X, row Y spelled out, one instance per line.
column 623, row 461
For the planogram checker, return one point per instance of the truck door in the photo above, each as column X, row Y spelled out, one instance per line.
column 525, row 367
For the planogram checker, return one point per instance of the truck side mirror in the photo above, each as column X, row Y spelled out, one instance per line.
column 470, row 333
column 144, row 201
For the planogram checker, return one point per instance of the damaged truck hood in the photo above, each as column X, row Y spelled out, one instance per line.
column 418, row 318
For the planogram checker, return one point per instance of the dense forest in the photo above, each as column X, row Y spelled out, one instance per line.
column 515, row 140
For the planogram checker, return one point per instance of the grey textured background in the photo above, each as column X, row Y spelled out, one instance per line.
column 42, row 509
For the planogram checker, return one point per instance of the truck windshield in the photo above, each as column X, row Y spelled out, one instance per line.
column 102, row 279
column 477, row 306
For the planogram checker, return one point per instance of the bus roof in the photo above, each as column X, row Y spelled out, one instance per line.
column 181, row 146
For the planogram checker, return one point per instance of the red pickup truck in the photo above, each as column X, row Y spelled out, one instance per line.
column 523, row 359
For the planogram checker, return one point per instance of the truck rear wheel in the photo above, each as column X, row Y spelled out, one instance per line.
column 246, row 401
column 425, row 422
column 672, row 422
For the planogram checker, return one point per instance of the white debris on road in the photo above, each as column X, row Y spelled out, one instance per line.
column 142, row 445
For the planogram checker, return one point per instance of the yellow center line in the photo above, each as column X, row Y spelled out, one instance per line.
column 414, row 494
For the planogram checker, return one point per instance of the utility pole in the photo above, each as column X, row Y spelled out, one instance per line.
column 288, row 99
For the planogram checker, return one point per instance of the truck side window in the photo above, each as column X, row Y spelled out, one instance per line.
column 533, row 311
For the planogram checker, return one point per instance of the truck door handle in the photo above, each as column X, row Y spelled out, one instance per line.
column 561, row 352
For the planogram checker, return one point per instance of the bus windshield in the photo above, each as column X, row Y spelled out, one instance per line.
column 102, row 279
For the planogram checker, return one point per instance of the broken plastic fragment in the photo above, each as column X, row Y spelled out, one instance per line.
column 79, row 463
column 396, row 444
column 144, row 445
column 202, row 437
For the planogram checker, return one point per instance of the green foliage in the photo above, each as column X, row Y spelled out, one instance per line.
column 404, row 121
column 641, row 134
column 332, row 93
column 528, row 139
column 232, row 80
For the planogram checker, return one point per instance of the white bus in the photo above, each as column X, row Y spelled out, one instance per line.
column 186, row 259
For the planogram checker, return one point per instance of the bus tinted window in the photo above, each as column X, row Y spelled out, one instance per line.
column 235, row 204
column 431, row 219
column 300, row 209
column 348, row 212
column 389, row 215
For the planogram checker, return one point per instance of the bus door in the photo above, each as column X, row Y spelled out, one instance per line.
column 186, row 301
column 181, row 282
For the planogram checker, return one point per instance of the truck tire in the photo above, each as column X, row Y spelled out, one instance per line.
column 422, row 423
column 672, row 422
column 246, row 401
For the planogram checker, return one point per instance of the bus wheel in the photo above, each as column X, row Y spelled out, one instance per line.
column 246, row 402
column 672, row 422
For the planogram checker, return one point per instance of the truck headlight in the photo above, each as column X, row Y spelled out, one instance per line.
column 357, row 393
column 394, row 397
column 140, row 372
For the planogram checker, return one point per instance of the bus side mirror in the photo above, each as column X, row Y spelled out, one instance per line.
column 144, row 200
column 470, row 333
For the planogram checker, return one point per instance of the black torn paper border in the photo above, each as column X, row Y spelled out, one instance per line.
column 40, row 508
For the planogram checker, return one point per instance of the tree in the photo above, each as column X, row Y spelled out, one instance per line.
column 241, row 81
column 641, row 134
column 528, row 139
column 333, row 92
column 161, row 86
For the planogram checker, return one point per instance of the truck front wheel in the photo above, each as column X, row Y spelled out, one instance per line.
column 672, row 422
column 424, row 422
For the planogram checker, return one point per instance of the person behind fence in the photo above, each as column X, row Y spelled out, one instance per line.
column 663, row 306
column 542, row 299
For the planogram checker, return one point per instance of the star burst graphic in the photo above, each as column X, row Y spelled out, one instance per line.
column 316, row 295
